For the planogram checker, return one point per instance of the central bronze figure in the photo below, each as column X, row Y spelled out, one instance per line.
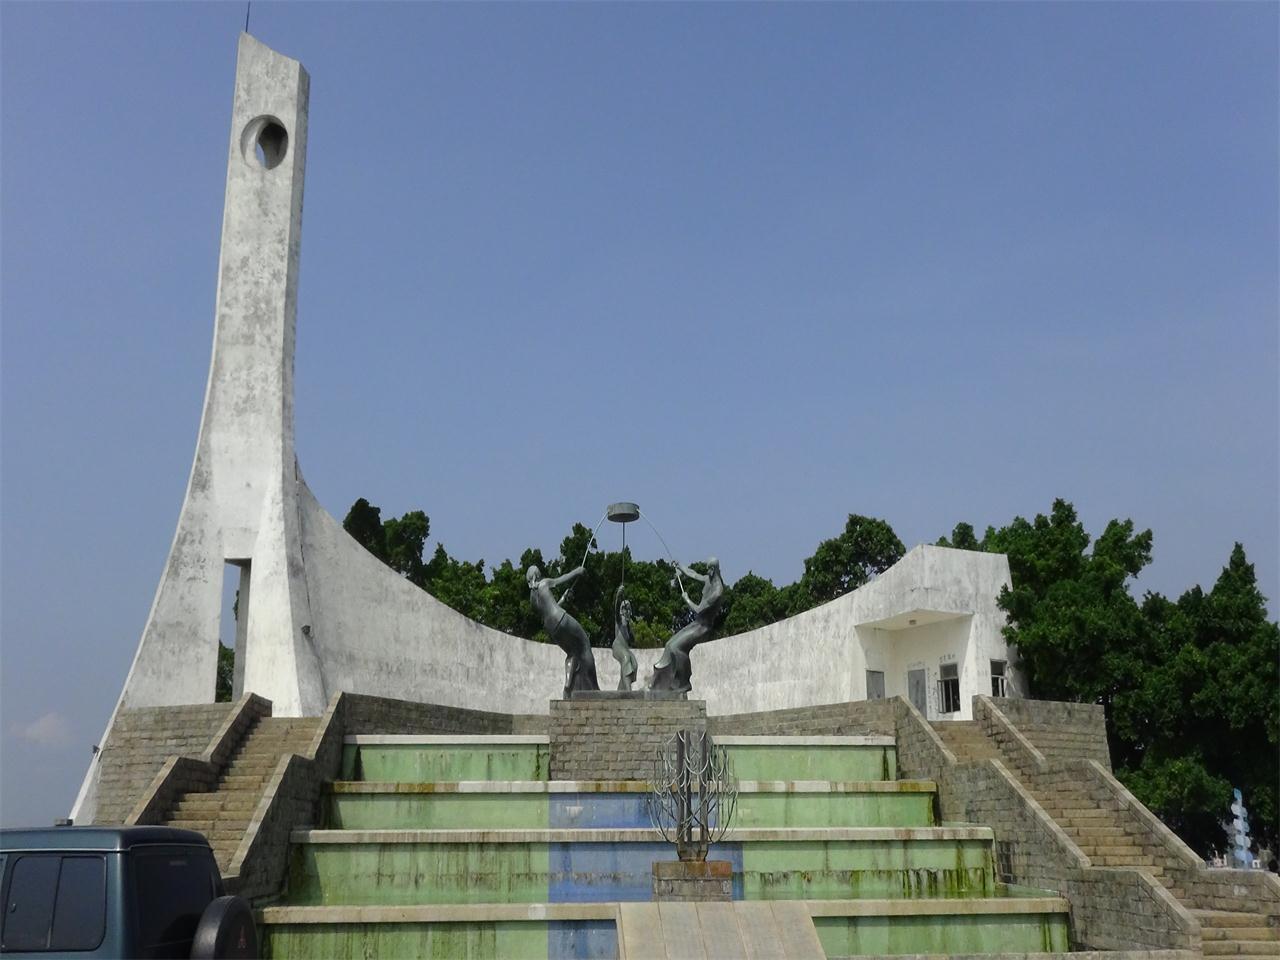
column 565, row 632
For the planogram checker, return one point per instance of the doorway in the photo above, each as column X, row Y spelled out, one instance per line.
column 234, row 626
column 917, row 691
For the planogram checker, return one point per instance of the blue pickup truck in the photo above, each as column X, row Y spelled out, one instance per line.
column 82, row 892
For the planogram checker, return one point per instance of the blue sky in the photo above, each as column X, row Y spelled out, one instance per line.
column 753, row 266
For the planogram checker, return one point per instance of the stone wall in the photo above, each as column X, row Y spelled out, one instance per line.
column 291, row 799
column 866, row 717
column 369, row 714
column 141, row 742
column 1112, row 908
column 615, row 739
column 1060, row 731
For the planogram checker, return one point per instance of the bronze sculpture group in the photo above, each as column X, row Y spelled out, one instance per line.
column 671, row 673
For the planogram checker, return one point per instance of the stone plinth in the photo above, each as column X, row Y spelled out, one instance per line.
column 627, row 695
column 616, row 737
column 692, row 880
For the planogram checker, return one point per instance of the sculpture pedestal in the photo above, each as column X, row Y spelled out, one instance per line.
column 627, row 695
column 692, row 880
column 612, row 735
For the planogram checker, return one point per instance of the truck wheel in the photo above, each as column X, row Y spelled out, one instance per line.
column 226, row 932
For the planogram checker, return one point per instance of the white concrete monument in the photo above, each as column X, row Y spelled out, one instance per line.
column 318, row 614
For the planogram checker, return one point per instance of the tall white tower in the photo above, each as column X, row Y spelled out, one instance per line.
column 241, row 505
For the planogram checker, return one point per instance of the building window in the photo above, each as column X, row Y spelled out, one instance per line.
column 875, row 684
column 998, row 686
column 949, row 689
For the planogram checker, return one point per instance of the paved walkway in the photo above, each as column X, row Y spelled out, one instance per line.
column 752, row 930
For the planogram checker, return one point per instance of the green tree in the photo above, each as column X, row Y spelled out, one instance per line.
column 1206, row 717
column 1190, row 688
column 962, row 538
column 406, row 539
column 458, row 583
column 364, row 522
column 753, row 602
column 1079, row 633
column 226, row 674
column 865, row 548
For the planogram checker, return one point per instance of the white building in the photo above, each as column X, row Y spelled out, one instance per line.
column 928, row 628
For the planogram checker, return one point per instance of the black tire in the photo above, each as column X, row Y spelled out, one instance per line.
column 226, row 932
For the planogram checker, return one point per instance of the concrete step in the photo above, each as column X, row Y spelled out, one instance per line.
column 1074, row 823
column 268, row 740
column 255, row 765
column 215, row 831
column 1262, row 933
column 1116, row 850
column 210, row 806
column 1235, row 948
column 1078, row 811
column 265, row 741
column 1123, row 858
column 1103, row 829
column 244, row 782
column 1228, row 918
column 268, row 757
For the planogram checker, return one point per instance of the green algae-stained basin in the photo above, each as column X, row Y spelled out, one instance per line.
column 423, row 759
column 842, row 869
column 499, row 805
column 812, row 758
column 517, row 940
column 834, row 809
column 353, row 868
column 395, row 874
column 1013, row 933
column 436, row 811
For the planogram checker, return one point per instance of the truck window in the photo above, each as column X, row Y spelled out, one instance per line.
column 171, row 891
column 80, row 910
column 28, row 908
column 55, row 903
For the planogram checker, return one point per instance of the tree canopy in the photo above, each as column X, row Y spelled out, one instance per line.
column 1189, row 687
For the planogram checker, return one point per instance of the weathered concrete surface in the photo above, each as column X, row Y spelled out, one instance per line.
column 822, row 656
column 240, row 502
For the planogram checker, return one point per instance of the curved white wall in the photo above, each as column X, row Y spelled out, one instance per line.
column 374, row 632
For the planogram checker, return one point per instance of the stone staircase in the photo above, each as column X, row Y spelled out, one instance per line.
column 1096, row 830
column 223, row 815
column 965, row 739
column 1108, row 842
column 1229, row 934
column 1107, row 839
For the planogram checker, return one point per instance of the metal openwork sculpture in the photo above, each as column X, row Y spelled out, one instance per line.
column 693, row 794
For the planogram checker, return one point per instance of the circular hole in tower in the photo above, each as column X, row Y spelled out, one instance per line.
column 265, row 140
